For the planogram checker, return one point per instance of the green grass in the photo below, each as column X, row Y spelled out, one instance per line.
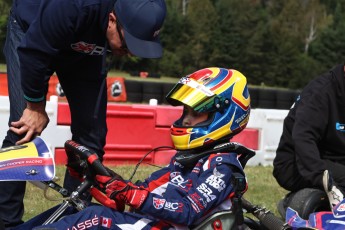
column 262, row 190
column 2, row 67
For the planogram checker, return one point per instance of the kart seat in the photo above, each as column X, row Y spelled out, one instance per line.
column 219, row 220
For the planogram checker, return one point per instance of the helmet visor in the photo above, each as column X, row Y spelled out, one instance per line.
column 193, row 94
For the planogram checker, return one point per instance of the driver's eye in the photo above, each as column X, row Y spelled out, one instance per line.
column 194, row 113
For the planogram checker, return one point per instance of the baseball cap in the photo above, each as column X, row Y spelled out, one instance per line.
column 141, row 21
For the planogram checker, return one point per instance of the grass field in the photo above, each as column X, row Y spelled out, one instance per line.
column 263, row 189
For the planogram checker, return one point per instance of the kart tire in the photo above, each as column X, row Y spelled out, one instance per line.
column 152, row 90
column 134, row 91
column 267, row 98
column 254, row 97
column 249, row 223
column 309, row 200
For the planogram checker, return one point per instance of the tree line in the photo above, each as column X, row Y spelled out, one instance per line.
column 280, row 43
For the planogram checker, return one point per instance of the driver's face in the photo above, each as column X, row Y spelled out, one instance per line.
column 192, row 117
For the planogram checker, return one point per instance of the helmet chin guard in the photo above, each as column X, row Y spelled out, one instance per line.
column 189, row 158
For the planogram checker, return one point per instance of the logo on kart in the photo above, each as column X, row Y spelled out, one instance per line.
column 31, row 172
column 158, row 203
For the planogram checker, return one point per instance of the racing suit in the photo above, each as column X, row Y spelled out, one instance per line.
column 67, row 37
column 179, row 197
column 313, row 137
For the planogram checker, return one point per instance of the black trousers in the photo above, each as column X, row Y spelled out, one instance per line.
column 290, row 179
column 86, row 92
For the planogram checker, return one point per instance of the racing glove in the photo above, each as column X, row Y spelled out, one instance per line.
column 101, row 186
column 335, row 195
column 106, row 201
column 122, row 191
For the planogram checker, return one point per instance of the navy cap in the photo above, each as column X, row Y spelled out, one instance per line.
column 141, row 21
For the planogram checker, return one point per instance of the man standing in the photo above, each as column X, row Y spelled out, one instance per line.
column 70, row 38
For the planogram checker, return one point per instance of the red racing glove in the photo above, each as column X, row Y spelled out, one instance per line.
column 123, row 192
column 127, row 192
column 106, row 201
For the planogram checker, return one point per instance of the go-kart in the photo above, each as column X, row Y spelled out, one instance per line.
column 304, row 202
column 37, row 165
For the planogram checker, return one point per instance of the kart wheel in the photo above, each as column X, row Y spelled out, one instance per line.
column 252, row 224
column 309, row 200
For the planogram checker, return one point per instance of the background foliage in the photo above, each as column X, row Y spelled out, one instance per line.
column 282, row 43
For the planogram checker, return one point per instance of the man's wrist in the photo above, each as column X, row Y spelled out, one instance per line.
column 36, row 106
column 34, row 99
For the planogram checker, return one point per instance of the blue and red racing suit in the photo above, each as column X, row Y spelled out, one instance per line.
column 179, row 197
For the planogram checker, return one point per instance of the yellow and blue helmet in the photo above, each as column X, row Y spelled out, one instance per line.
column 223, row 93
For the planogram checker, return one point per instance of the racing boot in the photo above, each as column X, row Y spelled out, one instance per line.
column 334, row 194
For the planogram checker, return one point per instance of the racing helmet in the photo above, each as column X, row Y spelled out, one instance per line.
column 220, row 92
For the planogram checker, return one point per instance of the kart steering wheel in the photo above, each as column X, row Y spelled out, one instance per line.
column 87, row 155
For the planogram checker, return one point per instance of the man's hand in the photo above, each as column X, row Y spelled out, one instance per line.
column 33, row 121
column 335, row 195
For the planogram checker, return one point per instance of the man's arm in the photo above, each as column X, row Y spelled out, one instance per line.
column 310, row 124
column 33, row 121
column 52, row 31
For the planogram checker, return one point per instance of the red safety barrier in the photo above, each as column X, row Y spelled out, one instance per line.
column 3, row 84
column 116, row 90
column 55, row 89
column 248, row 137
column 134, row 130
column 115, row 85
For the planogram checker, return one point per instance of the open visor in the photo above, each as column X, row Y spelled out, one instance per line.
column 193, row 94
